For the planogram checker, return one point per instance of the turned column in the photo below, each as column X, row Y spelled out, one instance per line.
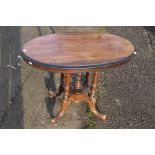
column 66, row 100
column 67, row 78
column 91, row 99
column 62, row 80
column 78, row 85
column 94, row 85
column 87, row 79
column 61, row 87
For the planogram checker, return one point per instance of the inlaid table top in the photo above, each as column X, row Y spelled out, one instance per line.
column 72, row 52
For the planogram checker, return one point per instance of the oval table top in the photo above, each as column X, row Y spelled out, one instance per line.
column 74, row 52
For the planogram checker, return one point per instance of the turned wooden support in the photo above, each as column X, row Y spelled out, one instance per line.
column 51, row 89
column 67, row 78
column 94, row 85
column 78, row 85
column 78, row 96
column 66, row 100
column 62, row 80
column 61, row 86
column 87, row 79
column 91, row 99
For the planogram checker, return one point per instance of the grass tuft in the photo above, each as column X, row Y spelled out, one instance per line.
column 90, row 120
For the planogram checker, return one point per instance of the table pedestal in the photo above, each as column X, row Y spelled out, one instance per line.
column 78, row 94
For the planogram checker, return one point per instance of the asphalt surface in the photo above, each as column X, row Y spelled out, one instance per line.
column 125, row 94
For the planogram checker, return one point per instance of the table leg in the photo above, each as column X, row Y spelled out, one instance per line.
column 78, row 85
column 66, row 99
column 91, row 99
column 87, row 79
column 51, row 94
column 51, row 89
column 61, row 87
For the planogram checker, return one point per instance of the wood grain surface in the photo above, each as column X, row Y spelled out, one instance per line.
column 77, row 51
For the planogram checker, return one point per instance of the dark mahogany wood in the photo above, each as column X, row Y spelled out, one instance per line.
column 78, row 96
column 78, row 82
column 87, row 79
column 66, row 99
column 72, row 52
column 76, row 53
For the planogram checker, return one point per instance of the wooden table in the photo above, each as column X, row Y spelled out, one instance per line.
column 70, row 53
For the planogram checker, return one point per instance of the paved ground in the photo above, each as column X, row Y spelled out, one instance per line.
column 126, row 94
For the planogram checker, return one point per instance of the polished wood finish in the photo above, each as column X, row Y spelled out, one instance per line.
column 91, row 99
column 77, row 53
column 78, row 82
column 87, row 79
column 80, row 70
column 79, row 96
column 66, row 99
column 62, row 83
column 94, row 85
